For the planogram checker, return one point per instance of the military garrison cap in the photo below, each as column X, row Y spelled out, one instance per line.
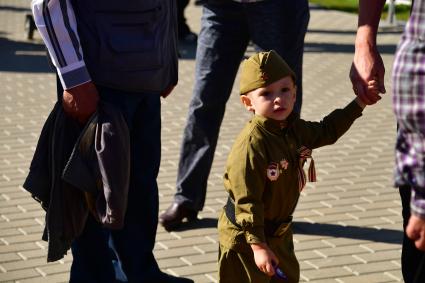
column 263, row 69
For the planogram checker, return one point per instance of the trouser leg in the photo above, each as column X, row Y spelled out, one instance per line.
column 411, row 257
column 92, row 261
column 134, row 243
column 281, row 25
column 183, row 28
column 221, row 45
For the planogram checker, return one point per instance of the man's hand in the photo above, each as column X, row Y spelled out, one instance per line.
column 80, row 102
column 367, row 62
column 415, row 230
column 367, row 65
column 264, row 258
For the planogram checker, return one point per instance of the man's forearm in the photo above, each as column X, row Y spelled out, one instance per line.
column 369, row 16
column 367, row 62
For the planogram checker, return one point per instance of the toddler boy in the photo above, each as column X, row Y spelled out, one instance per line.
column 264, row 173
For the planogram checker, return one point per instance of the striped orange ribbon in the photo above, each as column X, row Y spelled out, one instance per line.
column 305, row 153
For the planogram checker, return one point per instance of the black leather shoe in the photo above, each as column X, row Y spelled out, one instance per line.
column 175, row 214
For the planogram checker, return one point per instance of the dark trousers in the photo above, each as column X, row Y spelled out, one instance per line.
column 412, row 259
column 182, row 26
column 133, row 245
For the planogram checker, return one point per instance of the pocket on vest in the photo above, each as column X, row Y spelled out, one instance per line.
column 132, row 40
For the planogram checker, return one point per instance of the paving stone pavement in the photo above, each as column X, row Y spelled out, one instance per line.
column 347, row 225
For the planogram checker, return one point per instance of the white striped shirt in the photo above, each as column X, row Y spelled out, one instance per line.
column 56, row 23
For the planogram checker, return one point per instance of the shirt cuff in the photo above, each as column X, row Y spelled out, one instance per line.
column 417, row 204
column 353, row 109
column 73, row 75
column 360, row 102
column 255, row 235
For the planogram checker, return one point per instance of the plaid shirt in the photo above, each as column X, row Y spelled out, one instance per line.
column 409, row 108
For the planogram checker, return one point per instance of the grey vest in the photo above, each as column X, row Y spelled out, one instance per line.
column 129, row 45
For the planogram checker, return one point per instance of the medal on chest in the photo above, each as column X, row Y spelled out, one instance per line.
column 284, row 164
column 275, row 168
column 273, row 171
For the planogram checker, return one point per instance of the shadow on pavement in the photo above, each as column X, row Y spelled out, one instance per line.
column 188, row 51
column 352, row 232
column 14, row 8
column 343, row 48
column 21, row 56
column 394, row 30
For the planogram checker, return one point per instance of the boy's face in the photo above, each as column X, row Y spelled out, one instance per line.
column 276, row 101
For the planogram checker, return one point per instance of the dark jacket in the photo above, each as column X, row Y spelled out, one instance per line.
column 76, row 170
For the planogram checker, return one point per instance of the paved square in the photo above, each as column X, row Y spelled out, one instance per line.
column 348, row 224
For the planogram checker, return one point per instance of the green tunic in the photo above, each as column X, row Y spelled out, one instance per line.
column 262, row 177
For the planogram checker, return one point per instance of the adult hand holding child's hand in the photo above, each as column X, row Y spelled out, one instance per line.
column 367, row 66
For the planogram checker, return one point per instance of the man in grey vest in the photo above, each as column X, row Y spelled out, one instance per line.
column 121, row 52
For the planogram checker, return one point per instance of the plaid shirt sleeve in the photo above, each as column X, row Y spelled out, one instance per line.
column 409, row 108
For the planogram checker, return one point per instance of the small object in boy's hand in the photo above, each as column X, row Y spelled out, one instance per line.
column 279, row 273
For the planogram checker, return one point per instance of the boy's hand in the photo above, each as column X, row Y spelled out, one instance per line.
column 372, row 88
column 264, row 258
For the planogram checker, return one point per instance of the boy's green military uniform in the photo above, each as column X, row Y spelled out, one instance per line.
column 264, row 177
